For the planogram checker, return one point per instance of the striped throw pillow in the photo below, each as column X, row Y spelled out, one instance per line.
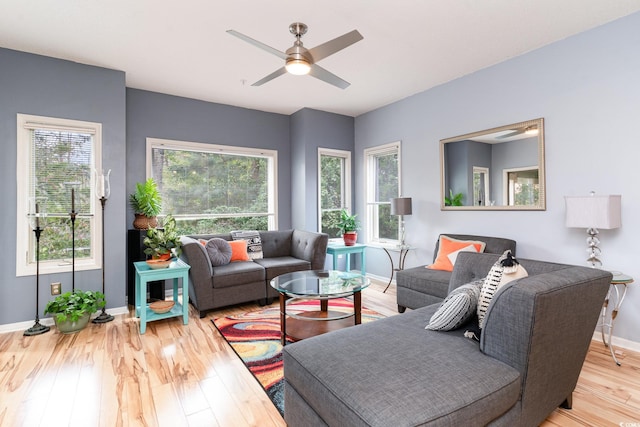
column 457, row 308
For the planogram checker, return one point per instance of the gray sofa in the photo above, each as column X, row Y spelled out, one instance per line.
column 394, row 372
column 238, row 282
column 419, row 286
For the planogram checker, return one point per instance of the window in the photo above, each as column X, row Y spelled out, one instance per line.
column 522, row 186
column 481, row 195
column 58, row 157
column 214, row 188
column 383, row 183
column 334, row 188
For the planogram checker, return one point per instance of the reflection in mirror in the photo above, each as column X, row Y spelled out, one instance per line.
column 495, row 169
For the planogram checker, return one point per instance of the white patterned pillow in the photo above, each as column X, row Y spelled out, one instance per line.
column 457, row 308
column 498, row 276
column 254, row 242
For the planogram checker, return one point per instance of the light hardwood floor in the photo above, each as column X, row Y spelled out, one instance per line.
column 176, row 375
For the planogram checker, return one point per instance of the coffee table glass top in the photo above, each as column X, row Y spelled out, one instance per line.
column 319, row 283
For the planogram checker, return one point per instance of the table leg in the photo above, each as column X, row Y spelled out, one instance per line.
column 392, row 270
column 324, row 305
column 185, row 297
column 137, row 295
column 362, row 261
column 143, row 306
column 348, row 265
column 283, row 320
column 335, row 261
column 357, row 307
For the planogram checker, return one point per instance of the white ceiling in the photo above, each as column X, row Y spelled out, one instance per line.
column 182, row 48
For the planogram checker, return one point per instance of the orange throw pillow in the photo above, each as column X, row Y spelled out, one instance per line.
column 449, row 245
column 239, row 250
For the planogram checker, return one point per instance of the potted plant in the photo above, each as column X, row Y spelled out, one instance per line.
column 164, row 242
column 71, row 311
column 348, row 225
column 453, row 199
column 146, row 203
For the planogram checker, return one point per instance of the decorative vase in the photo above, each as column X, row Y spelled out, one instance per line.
column 143, row 222
column 350, row 238
column 70, row 327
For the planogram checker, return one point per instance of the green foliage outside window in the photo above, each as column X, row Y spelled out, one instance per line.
column 210, row 192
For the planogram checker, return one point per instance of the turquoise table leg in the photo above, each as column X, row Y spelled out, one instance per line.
column 143, row 305
column 348, row 257
column 137, row 295
column 362, row 261
column 185, row 298
column 335, row 260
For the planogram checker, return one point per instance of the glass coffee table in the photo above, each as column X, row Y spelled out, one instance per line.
column 319, row 285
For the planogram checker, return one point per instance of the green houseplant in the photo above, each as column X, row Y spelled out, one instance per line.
column 71, row 311
column 348, row 225
column 160, row 243
column 453, row 199
column 146, row 203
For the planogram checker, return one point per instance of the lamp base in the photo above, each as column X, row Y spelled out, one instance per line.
column 104, row 317
column 592, row 248
column 36, row 329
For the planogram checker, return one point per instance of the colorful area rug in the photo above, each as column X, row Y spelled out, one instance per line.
column 255, row 337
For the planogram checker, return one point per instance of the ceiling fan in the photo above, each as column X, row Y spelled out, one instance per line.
column 529, row 130
column 300, row 60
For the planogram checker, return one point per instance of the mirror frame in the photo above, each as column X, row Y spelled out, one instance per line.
column 541, row 169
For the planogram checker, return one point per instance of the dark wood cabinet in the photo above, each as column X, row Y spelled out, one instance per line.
column 135, row 252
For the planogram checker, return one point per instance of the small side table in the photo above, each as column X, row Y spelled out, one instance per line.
column 336, row 249
column 403, row 250
column 618, row 283
column 178, row 269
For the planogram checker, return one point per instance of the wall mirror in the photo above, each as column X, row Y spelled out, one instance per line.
column 494, row 169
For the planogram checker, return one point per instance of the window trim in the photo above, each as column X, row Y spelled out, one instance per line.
column 346, row 197
column 25, row 124
column 272, row 155
column 369, row 155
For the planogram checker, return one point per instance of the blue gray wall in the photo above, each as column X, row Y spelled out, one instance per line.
column 587, row 89
column 39, row 85
column 311, row 129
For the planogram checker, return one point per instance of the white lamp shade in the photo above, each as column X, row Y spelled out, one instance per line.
column 594, row 211
column 401, row 206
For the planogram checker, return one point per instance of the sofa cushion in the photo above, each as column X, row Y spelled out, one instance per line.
column 447, row 245
column 219, row 251
column 457, row 308
column 409, row 378
column 239, row 250
column 254, row 242
column 276, row 243
column 237, row 273
column 281, row 265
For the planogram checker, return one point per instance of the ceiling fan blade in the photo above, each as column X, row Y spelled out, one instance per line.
column 332, row 46
column 277, row 73
column 320, row 73
column 509, row 135
column 258, row 44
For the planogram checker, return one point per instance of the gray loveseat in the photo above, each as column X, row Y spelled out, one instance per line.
column 238, row 282
column 394, row 372
column 421, row 286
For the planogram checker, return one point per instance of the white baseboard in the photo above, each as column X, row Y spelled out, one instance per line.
column 48, row 321
column 618, row 342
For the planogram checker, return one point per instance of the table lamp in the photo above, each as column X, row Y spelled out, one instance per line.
column 401, row 206
column 593, row 212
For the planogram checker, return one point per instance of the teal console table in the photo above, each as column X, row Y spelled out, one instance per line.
column 178, row 269
column 336, row 249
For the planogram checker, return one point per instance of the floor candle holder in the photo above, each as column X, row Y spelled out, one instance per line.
column 103, row 190
column 37, row 215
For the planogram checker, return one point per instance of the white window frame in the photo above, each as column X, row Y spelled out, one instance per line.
column 370, row 154
column 25, row 124
column 271, row 155
column 346, row 180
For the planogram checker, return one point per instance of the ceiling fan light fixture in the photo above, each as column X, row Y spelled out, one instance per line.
column 298, row 67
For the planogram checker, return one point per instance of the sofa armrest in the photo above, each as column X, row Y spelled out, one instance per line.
column 194, row 254
column 311, row 247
